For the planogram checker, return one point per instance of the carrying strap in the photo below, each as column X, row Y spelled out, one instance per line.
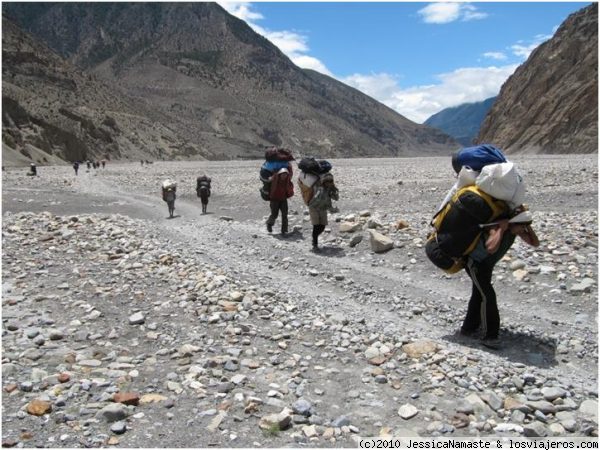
column 498, row 207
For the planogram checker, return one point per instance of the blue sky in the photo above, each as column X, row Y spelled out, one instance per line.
column 417, row 58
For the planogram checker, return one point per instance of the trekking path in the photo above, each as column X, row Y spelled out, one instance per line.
column 348, row 307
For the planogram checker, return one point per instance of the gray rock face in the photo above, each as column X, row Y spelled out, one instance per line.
column 302, row 407
column 137, row 318
column 549, row 93
column 113, row 412
column 552, row 393
column 589, row 409
column 379, row 242
column 118, row 427
column 407, row 411
column 535, row 429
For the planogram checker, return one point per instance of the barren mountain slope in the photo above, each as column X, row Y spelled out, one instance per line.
column 550, row 104
column 53, row 111
column 222, row 85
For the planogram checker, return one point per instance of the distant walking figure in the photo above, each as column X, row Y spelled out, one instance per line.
column 88, row 163
column 203, row 190
column 76, row 167
column 103, row 163
column 142, row 162
column 32, row 170
column 169, row 195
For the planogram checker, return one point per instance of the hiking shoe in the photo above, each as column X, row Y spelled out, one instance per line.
column 467, row 333
column 493, row 343
column 315, row 249
column 269, row 228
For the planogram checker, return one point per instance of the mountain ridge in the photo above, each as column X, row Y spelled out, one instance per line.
column 462, row 122
column 222, row 87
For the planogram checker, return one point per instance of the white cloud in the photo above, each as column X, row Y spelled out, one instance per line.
column 440, row 12
column 469, row 12
column 447, row 12
column 418, row 103
column 310, row 62
column 288, row 42
column 241, row 10
column 523, row 49
column 379, row 86
column 495, row 55
column 291, row 43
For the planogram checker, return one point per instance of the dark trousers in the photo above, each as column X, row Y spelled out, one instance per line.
column 483, row 308
column 204, row 200
column 276, row 206
column 171, row 206
column 317, row 230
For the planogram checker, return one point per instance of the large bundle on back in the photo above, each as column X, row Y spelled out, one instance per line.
column 169, row 184
column 169, row 187
column 203, row 185
column 277, row 159
column 316, row 183
column 488, row 188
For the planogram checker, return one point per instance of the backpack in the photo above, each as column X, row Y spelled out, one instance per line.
column 169, row 194
column 203, row 185
column 324, row 191
column 477, row 157
column 457, row 227
column 309, row 165
column 324, row 166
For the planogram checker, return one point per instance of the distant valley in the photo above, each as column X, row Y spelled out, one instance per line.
column 462, row 122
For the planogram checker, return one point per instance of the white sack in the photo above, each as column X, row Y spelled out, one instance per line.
column 504, row 182
column 168, row 183
column 307, row 179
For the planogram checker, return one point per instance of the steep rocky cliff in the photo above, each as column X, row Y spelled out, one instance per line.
column 218, row 85
column 550, row 104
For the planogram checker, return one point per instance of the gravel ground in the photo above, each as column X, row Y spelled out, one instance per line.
column 124, row 328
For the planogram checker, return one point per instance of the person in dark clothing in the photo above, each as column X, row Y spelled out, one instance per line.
column 281, row 189
column 88, row 164
column 203, row 191
column 32, row 170
column 76, row 167
column 169, row 195
column 482, row 311
column 474, row 229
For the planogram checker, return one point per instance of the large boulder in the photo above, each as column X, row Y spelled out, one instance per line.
column 380, row 243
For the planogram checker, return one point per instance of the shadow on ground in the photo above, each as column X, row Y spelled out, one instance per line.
column 516, row 346
column 293, row 236
column 336, row 252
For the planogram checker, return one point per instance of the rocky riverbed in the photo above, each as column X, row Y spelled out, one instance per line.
column 124, row 328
